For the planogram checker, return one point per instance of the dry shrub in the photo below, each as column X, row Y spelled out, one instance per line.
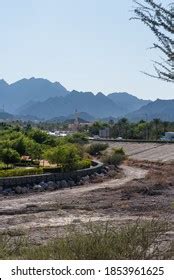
column 141, row 240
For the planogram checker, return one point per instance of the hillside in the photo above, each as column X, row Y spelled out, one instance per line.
column 128, row 102
column 96, row 105
column 44, row 99
column 23, row 91
column 6, row 116
column 161, row 109
column 84, row 117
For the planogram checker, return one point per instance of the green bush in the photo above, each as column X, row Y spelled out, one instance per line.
column 116, row 157
column 66, row 155
column 77, row 138
column 141, row 240
column 84, row 163
column 96, row 148
column 9, row 156
column 52, row 169
column 20, row 172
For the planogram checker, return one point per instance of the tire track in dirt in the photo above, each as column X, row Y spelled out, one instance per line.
column 38, row 211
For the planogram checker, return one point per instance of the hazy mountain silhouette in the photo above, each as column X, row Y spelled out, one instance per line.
column 128, row 102
column 96, row 105
column 81, row 115
column 14, row 95
column 161, row 109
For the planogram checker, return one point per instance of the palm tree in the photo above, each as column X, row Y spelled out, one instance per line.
column 156, row 122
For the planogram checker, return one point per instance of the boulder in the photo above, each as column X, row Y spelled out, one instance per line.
column 64, row 184
column 111, row 167
column 7, row 191
column 51, row 186
column 24, row 190
column 71, row 183
column 106, row 168
column 86, row 178
column 18, row 190
column 38, row 188
column 58, row 185
column 111, row 173
column 81, row 183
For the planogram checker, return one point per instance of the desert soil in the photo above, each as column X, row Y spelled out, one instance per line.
column 147, row 151
column 43, row 216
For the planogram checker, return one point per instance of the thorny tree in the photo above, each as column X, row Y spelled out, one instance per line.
column 160, row 20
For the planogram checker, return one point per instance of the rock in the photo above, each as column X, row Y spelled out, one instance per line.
column 104, row 171
column 101, row 175
column 51, row 186
column 24, row 190
column 42, row 184
column 64, row 184
column 81, row 183
column 111, row 173
column 97, row 180
column 29, row 187
column 58, row 185
column 7, row 191
column 18, row 190
column 93, row 176
column 111, row 167
column 86, row 178
column 71, row 183
column 38, row 188
column 106, row 168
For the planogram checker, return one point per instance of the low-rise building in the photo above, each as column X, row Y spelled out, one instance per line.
column 104, row 133
column 169, row 136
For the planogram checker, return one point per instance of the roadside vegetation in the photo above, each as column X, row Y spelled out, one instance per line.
column 22, row 149
column 96, row 149
column 141, row 240
column 142, row 130
column 114, row 157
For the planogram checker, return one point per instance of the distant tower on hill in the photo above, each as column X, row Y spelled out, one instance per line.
column 76, row 121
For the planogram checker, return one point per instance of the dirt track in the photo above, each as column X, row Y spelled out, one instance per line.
column 38, row 212
column 138, row 193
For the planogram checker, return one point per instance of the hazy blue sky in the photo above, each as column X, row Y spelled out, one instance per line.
column 87, row 45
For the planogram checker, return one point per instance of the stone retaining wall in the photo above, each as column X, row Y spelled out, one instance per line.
column 8, row 182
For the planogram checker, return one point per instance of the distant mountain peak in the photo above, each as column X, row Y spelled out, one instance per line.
column 3, row 82
column 159, row 109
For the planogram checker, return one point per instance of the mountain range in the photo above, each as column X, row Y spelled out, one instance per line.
column 37, row 98
column 159, row 109
column 14, row 95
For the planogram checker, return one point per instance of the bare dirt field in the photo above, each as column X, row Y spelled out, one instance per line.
column 146, row 192
column 147, row 151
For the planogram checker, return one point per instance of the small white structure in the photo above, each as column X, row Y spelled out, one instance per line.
column 104, row 133
column 169, row 136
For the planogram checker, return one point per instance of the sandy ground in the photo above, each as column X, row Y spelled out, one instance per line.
column 146, row 193
column 45, row 214
column 147, row 151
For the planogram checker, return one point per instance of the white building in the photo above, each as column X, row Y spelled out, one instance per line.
column 169, row 136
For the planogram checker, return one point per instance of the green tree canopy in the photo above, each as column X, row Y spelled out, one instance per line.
column 9, row 156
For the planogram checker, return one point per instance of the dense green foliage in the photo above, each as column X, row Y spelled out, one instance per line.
column 67, row 156
column 143, row 130
column 78, row 138
column 115, row 157
column 96, row 148
column 20, row 172
column 26, row 146
column 9, row 156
